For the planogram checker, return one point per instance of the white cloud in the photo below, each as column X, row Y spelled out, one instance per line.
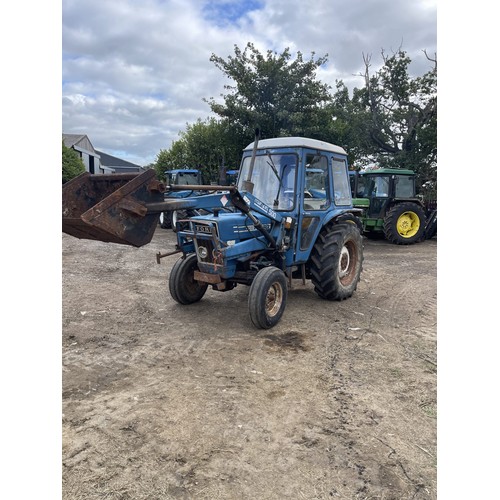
column 134, row 73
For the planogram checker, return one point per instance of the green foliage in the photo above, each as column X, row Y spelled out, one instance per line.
column 391, row 120
column 394, row 117
column 280, row 96
column 206, row 145
column 72, row 164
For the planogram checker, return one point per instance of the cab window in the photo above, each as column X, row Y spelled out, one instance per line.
column 316, row 183
column 341, row 188
column 405, row 186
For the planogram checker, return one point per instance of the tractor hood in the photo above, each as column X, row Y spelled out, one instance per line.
column 231, row 227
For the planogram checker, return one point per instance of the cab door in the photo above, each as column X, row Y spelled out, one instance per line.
column 315, row 200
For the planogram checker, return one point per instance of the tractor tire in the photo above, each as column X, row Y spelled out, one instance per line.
column 166, row 220
column 184, row 289
column 176, row 216
column 404, row 224
column 336, row 261
column 431, row 229
column 267, row 297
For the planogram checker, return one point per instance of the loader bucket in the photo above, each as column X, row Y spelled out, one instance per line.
column 111, row 208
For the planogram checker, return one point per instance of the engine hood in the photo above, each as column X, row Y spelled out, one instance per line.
column 232, row 226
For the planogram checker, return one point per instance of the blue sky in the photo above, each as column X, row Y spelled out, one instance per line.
column 134, row 73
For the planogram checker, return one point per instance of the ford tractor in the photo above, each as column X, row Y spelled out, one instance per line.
column 289, row 216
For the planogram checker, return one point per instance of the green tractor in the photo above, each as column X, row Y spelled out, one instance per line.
column 390, row 206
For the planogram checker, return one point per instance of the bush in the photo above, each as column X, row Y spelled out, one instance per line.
column 72, row 164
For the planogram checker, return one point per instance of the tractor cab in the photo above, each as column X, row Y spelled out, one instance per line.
column 382, row 187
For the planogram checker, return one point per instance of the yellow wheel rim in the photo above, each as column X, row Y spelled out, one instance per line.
column 408, row 224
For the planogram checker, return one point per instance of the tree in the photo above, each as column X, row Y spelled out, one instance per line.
column 72, row 164
column 280, row 96
column 395, row 116
column 207, row 145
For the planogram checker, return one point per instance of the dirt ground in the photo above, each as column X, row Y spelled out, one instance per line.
column 163, row 401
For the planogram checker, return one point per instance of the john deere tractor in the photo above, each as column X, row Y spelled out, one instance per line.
column 390, row 206
column 273, row 226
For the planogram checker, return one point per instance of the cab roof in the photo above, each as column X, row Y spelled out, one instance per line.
column 296, row 142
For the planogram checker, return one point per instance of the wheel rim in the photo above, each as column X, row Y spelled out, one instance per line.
column 274, row 299
column 344, row 262
column 408, row 224
column 347, row 263
column 161, row 217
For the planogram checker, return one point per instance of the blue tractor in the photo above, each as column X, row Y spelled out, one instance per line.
column 271, row 227
column 232, row 177
column 188, row 177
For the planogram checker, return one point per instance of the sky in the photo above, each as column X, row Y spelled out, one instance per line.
column 135, row 72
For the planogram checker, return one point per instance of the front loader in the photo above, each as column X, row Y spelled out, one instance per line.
column 266, row 230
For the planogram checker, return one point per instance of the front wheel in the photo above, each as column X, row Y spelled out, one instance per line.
column 166, row 220
column 267, row 297
column 336, row 261
column 404, row 223
column 182, row 285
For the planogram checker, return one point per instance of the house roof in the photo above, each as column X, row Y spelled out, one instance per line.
column 112, row 161
column 79, row 142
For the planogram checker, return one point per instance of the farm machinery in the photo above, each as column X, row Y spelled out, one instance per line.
column 391, row 207
column 271, row 227
column 176, row 177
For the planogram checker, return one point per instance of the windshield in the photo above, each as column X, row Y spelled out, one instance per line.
column 273, row 178
column 373, row 186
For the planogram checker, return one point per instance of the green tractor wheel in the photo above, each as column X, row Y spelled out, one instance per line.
column 404, row 223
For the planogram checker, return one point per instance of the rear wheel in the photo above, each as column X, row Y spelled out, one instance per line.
column 182, row 285
column 267, row 297
column 336, row 261
column 404, row 223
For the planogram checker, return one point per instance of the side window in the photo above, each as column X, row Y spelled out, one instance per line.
column 316, row 192
column 342, row 191
column 381, row 189
column 404, row 186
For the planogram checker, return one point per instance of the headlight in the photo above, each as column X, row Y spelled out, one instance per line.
column 202, row 252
